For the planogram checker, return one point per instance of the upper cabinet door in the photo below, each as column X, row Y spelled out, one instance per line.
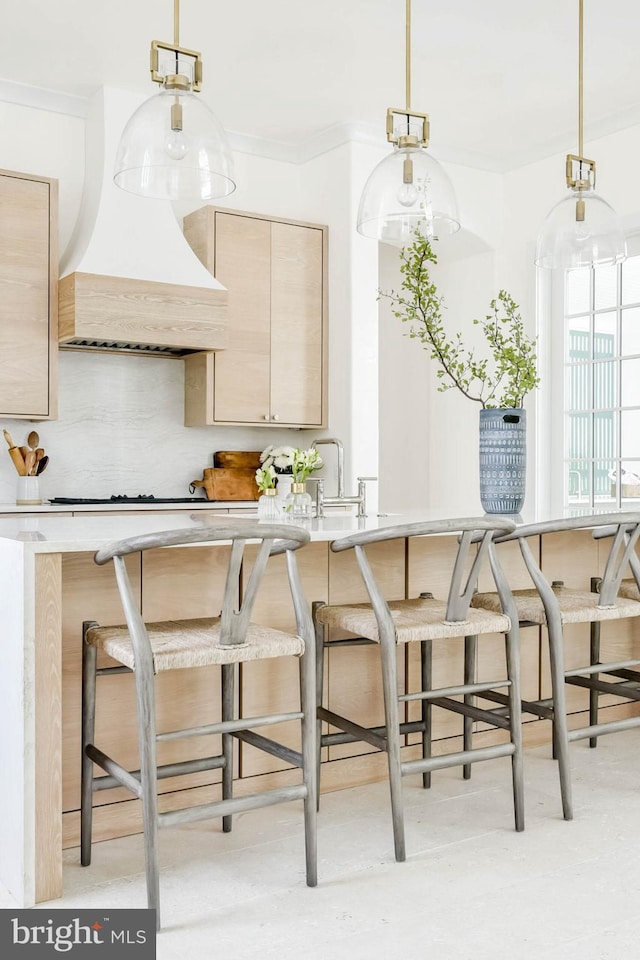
column 28, row 296
column 274, row 371
column 242, row 371
column 297, row 326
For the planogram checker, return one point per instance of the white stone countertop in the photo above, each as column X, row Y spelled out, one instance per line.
column 50, row 534
column 65, row 534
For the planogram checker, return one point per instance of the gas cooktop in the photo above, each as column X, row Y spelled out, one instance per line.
column 123, row 498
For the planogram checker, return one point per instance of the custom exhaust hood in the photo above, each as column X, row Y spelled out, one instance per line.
column 129, row 279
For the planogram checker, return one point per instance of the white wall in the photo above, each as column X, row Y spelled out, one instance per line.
column 429, row 439
column 49, row 145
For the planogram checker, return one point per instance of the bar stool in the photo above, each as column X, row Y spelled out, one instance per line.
column 226, row 640
column 423, row 620
column 630, row 679
column 553, row 606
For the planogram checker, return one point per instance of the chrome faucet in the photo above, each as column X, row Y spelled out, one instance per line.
column 340, row 500
column 340, row 447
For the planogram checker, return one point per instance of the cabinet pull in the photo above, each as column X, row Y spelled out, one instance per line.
column 266, row 416
column 276, row 416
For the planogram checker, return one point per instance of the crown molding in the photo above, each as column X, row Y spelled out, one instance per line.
column 335, row 136
column 24, row 95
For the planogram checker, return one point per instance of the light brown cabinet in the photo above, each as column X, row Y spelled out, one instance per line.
column 274, row 370
column 28, row 296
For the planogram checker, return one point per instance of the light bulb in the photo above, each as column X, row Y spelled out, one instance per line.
column 407, row 195
column 177, row 145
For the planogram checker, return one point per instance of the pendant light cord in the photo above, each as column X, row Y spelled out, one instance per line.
column 580, row 72
column 408, row 56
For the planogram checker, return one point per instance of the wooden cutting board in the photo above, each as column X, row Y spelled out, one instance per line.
column 221, row 483
column 237, row 459
column 234, row 484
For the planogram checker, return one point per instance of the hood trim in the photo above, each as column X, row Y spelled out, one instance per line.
column 116, row 313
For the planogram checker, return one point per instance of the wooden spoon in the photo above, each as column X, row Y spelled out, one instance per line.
column 42, row 465
column 30, row 462
column 33, row 439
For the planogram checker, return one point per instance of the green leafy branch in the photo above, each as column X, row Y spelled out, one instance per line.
column 512, row 372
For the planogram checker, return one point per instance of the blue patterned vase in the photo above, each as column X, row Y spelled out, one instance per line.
column 503, row 459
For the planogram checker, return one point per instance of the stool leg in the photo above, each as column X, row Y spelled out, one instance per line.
column 308, row 692
column 470, row 647
column 320, row 633
column 228, row 684
column 515, row 721
column 388, row 649
column 145, row 694
column 426, row 675
column 89, row 659
column 593, row 694
column 560, row 732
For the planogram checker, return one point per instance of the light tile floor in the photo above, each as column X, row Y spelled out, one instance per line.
column 471, row 887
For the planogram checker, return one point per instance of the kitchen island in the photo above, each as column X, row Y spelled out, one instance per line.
column 51, row 584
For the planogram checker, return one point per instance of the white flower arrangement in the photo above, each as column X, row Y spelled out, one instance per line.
column 280, row 458
column 304, row 464
column 265, row 478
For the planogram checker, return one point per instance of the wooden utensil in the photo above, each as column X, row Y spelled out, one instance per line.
column 30, row 462
column 33, row 439
column 16, row 456
column 41, row 465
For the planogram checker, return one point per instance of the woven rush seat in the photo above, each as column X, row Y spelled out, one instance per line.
column 576, row 606
column 179, row 644
column 414, row 620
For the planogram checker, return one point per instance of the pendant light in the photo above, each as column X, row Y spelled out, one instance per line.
column 582, row 229
column 173, row 147
column 408, row 193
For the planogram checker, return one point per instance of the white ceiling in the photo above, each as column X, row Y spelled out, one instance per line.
column 498, row 78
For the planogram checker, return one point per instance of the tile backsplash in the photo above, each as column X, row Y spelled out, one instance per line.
column 120, row 430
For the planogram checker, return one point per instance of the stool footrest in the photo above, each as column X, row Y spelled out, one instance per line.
column 270, row 746
column 119, row 777
column 539, row 708
column 331, row 739
column 621, row 689
column 229, row 726
column 599, row 729
column 457, row 759
column 604, row 668
column 224, row 808
column 460, row 690
column 477, row 713
column 359, row 732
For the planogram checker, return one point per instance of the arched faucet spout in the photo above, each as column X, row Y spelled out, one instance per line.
column 340, row 448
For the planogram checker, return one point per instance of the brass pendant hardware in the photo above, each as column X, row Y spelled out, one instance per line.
column 158, row 77
column 410, row 137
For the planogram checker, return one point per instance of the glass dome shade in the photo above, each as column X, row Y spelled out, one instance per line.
column 394, row 212
column 566, row 243
column 193, row 163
